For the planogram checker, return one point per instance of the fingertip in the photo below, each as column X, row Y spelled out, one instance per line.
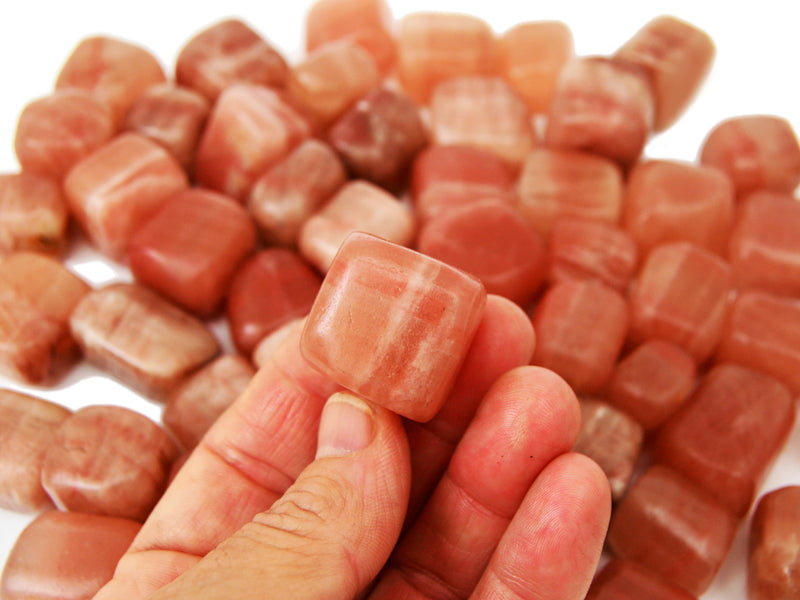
column 502, row 311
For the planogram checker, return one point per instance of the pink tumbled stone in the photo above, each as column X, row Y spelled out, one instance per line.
column 291, row 191
column 55, row 132
column 764, row 249
column 196, row 403
column 672, row 528
column 612, row 439
column 140, row 338
column 357, row 206
column 668, row 201
column 27, row 425
column 603, row 107
column 108, row 460
column 561, row 183
column 758, row 152
column 492, row 241
column 584, row 249
column 191, row 247
column 626, row 580
column 227, row 53
column 651, row 382
column 249, row 130
column 774, row 549
column 681, row 296
column 393, row 325
column 113, row 190
column 65, row 556
column 726, row 436
column 33, row 213
column 580, row 328
column 269, row 289
column 763, row 333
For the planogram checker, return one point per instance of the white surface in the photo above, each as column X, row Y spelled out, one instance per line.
column 755, row 72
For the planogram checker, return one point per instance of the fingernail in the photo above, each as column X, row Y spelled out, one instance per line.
column 346, row 425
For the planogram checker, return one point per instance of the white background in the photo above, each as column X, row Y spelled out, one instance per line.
column 756, row 71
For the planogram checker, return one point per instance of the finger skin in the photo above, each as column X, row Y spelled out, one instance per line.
column 528, row 417
column 552, row 547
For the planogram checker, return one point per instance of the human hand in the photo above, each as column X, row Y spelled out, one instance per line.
column 293, row 496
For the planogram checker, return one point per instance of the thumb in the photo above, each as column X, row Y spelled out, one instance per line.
column 332, row 531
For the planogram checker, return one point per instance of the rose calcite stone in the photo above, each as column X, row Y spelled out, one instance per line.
column 65, row 556
column 774, row 548
column 33, row 213
column 393, row 325
column 108, row 460
column 27, row 426
column 140, row 338
column 672, row 528
column 626, row 580
column 727, row 435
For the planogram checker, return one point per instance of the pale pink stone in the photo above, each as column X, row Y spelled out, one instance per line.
column 393, row 325
column 33, row 213
column 357, row 206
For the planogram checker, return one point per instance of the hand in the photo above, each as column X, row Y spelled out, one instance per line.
column 293, row 495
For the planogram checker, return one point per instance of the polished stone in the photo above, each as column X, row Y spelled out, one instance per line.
column 33, row 213
column 626, row 580
column 774, row 549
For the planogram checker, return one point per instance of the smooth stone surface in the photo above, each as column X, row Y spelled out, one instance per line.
column 27, row 425
column 625, row 580
column 196, row 403
column 33, row 213
column 65, row 556
column 108, row 460
column 673, row 529
column 774, row 549
column 580, row 328
column 139, row 338
column 191, row 247
column 115, row 189
column 726, row 436
column 393, row 325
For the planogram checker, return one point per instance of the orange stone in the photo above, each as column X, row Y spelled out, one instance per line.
column 530, row 57
column 651, row 382
column 227, row 53
column 668, row 201
column 270, row 289
column 140, row 338
column 774, row 549
column 729, row 432
column 33, row 213
column 681, row 296
column 115, row 71
column 357, row 206
column 584, row 249
column 452, row 176
column 393, row 325
column 250, row 129
column 108, row 460
column 672, row 528
column 626, row 580
column 171, row 116
column 490, row 240
column 190, row 248
column 758, row 152
column 603, row 107
column 677, row 57
column 37, row 296
column 560, row 183
column 485, row 112
column 763, row 333
column 580, row 328
column 114, row 190
column 65, row 556
column 367, row 23
column 202, row 397
column 764, row 249
column 293, row 189
column 27, row 425
column 433, row 47
column 55, row 132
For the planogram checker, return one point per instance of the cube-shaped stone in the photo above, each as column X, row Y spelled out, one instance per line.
column 774, row 549
column 33, row 213
column 190, row 248
column 393, row 325
column 626, row 580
